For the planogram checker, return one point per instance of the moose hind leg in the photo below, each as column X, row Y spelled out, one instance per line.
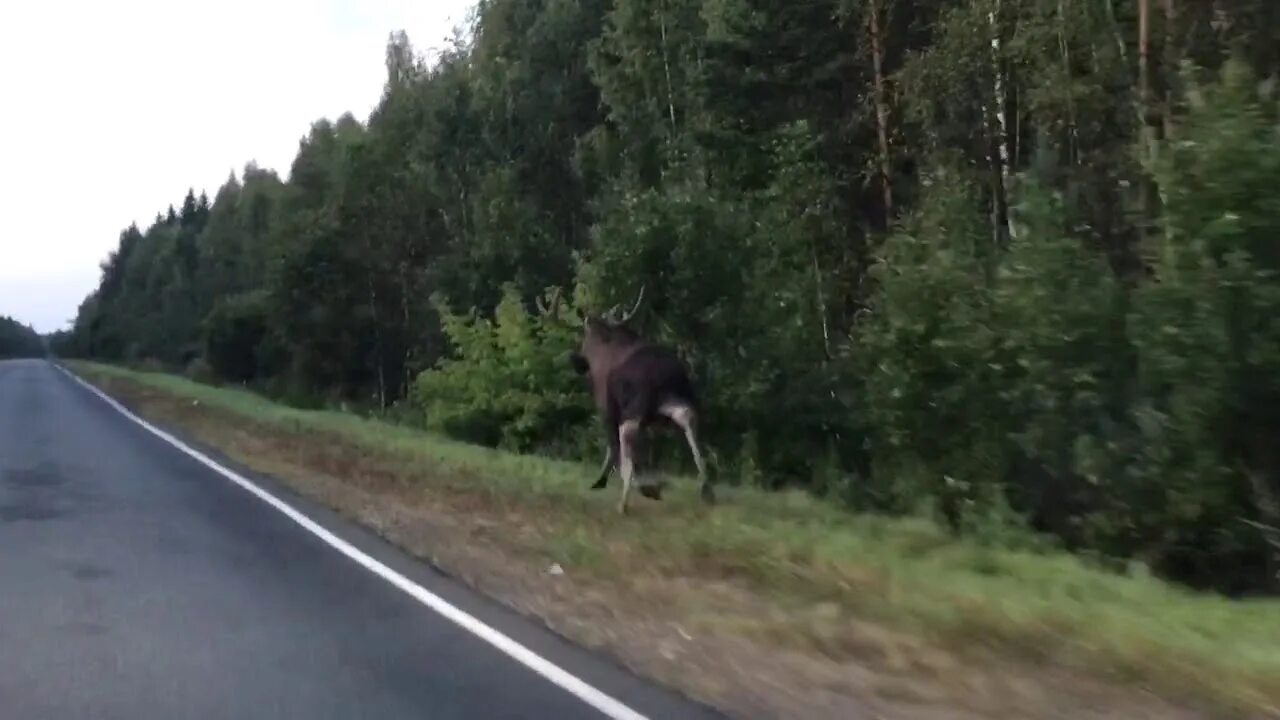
column 611, row 453
column 628, row 433
column 687, row 420
column 605, row 468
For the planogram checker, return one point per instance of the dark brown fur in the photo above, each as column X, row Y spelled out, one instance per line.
column 635, row 383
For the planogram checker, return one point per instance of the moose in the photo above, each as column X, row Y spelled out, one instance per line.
column 635, row 384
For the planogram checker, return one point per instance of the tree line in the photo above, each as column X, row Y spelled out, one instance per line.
column 18, row 340
column 999, row 260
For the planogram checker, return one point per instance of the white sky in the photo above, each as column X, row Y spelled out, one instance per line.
column 109, row 111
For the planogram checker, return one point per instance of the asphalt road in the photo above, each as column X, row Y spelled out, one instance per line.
column 137, row 583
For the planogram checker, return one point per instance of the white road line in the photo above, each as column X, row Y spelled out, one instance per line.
column 604, row 703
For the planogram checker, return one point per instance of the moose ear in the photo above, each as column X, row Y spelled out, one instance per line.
column 579, row 364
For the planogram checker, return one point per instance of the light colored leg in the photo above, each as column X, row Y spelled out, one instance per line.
column 627, row 433
column 684, row 417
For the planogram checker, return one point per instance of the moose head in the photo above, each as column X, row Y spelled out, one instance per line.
column 634, row 383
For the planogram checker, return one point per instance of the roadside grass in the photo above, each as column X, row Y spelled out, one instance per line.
column 829, row 567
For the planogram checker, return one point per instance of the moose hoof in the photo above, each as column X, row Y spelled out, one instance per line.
column 708, row 494
column 599, row 485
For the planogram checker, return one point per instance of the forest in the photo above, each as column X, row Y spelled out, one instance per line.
column 18, row 340
column 1005, row 262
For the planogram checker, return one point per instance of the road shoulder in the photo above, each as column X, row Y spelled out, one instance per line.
column 699, row 634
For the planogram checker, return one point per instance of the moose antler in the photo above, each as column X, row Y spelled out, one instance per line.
column 613, row 317
column 552, row 311
column 555, row 304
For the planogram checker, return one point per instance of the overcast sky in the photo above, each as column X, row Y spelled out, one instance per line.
column 109, row 111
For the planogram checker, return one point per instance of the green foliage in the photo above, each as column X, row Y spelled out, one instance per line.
column 929, row 360
column 1056, row 309
column 736, row 287
column 1200, row 465
column 234, row 331
column 507, row 384
column 18, row 340
column 916, row 254
column 1130, row 422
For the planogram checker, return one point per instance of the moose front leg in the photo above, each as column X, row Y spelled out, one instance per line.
column 610, row 455
column 653, row 491
column 605, row 468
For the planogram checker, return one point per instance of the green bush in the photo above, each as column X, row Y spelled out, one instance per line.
column 233, row 332
column 199, row 370
column 1136, row 423
column 509, row 383
column 1199, row 471
column 929, row 361
column 739, row 283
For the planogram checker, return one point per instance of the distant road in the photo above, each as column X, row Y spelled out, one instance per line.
column 137, row 583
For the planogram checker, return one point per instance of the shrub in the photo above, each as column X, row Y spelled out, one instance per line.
column 1198, row 472
column 927, row 356
column 233, row 332
column 509, row 382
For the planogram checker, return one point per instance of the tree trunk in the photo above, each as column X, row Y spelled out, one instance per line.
column 822, row 304
column 377, row 326
column 1144, row 67
column 1169, row 61
column 875, row 27
column 1002, row 112
column 1073, row 133
column 1000, row 134
column 377, row 346
column 1146, row 190
column 406, row 318
column 666, row 67
column 1115, row 30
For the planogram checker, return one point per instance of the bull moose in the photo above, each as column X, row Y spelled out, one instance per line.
column 635, row 383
